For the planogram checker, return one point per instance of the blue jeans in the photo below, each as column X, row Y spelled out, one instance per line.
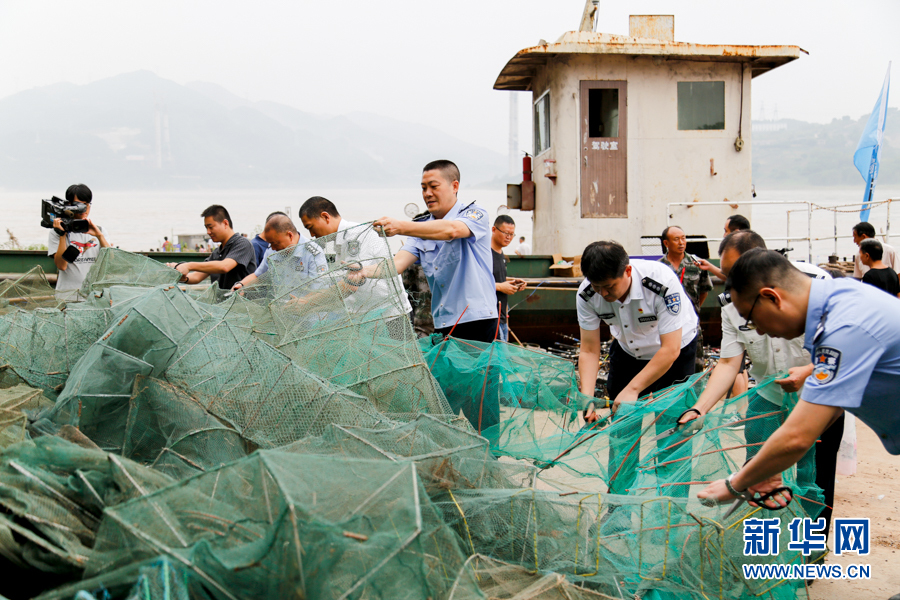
column 503, row 335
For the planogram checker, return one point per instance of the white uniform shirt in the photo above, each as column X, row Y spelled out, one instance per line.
column 355, row 242
column 68, row 282
column 811, row 270
column 645, row 314
column 769, row 356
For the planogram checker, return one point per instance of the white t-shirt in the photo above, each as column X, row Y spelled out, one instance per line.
column 69, row 281
column 645, row 314
column 523, row 249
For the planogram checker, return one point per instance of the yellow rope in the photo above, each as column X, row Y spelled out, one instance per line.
column 466, row 523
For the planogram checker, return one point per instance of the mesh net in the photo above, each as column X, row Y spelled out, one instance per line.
column 295, row 439
column 30, row 291
column 285, row 525
column 114, row 266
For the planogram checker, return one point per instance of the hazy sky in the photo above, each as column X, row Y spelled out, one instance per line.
column 429, row 62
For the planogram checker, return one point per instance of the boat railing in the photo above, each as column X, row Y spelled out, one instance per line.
column 807, row 207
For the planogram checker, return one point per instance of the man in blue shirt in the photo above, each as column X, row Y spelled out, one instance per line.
column 853, row 334
column 306, row 261
column 453, row 245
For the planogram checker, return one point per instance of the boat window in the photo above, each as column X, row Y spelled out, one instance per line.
column 701, row 105
column 603, row 113
column 542, row 124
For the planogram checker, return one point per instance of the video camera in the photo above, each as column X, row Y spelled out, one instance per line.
column 69, row 212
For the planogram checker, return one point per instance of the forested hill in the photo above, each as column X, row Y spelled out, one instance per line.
column 789, row 153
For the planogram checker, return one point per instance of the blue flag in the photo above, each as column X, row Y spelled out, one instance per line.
column 868, row 151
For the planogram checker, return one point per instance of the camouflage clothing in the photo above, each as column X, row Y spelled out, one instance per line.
column 420, row 297
column 694, row 279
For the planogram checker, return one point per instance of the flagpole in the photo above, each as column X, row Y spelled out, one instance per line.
column 867, row 156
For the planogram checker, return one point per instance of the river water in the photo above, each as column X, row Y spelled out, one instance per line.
column 138, row 220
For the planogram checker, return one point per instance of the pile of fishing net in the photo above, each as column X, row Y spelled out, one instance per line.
column 295, row 440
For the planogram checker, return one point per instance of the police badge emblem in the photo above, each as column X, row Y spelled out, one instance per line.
column 825, row 364
column 353, row 247
column 474, row 214
column 322, row 268
column 673, row 303
column 299, row 266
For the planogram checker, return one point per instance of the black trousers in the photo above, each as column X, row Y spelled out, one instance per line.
column 477, row 331
column 622, row 369
column 826, row 464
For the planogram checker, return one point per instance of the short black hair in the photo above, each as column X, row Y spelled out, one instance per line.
column 83, row 193
column 277, row 212
column 738, row 222
column 522, row 238
column 759, row 268
column 316, row 205
column 218, row 213
column 742, row 241
column 664, row 236
column 865, row 229
column 281, row 223
column 504, row 220
column 834, row 272
column 873, row 248
column 603, row 260
column 447, row 167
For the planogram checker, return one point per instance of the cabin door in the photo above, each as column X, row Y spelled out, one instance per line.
column 603, row 139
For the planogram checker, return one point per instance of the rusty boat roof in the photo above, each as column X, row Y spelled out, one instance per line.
column 519, row 71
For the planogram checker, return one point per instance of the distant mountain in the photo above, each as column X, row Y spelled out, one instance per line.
column 139, row 131
column 791, row 153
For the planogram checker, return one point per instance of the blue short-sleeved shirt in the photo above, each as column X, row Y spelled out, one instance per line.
column 459, row 272
column 853, row 335
column 308, row 259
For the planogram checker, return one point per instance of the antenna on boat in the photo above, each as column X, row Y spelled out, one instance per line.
column 589, row 17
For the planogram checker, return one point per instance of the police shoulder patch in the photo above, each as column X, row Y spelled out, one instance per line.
column 826, row 362
column 673, row 303
column 473, row 214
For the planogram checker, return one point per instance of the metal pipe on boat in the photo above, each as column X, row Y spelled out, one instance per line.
column 834, row 212
column 809, row 232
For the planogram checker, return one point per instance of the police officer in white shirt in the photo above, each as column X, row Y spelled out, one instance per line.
column 769, row 356
column 652, row 321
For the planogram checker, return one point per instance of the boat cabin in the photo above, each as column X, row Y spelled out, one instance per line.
column 625, row 125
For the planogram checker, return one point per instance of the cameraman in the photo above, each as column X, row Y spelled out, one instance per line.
column 74, row 264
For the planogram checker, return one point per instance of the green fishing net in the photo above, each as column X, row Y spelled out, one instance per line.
column 294, row 439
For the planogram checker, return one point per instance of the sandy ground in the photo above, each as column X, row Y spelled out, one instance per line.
column 873, row 492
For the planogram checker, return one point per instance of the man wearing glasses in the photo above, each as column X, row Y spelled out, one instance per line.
column 769, row 356
column 853, row 335
column 502, row 233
